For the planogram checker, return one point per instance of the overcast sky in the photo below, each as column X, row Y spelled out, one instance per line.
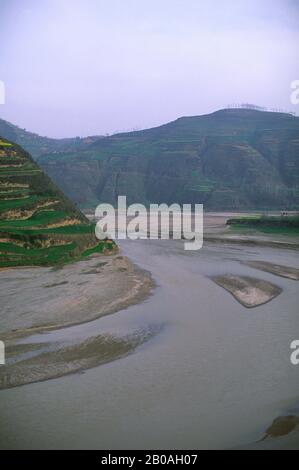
column 81, row 67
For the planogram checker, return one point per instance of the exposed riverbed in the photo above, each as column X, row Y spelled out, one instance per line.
column 199, row 369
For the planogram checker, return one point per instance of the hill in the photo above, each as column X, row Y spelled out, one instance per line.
column 37, row 145
column 38, row 224
column 232, row 159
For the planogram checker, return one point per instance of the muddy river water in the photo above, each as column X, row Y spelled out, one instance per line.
column 213, row 374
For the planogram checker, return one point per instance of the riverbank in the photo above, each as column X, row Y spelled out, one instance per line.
column 53, row 299
column 70, row 295
column 216, row 230
column 188, row 381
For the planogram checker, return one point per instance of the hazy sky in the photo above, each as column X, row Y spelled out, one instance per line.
column 81, row 67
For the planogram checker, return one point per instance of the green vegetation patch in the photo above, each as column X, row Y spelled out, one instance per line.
column 30, row 204
column 283, row 224
column 101, row 247
column 5, row 144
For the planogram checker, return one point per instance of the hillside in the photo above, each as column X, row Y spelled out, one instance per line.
column 38, row 224
column 229, row 160
column 37, row 145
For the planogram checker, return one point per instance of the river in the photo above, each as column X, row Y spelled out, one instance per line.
column 214, row 375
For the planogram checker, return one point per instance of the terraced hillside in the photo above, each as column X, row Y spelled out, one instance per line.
column 233, row 159
column 37, row 145
column 38, row 224
column 229, row 160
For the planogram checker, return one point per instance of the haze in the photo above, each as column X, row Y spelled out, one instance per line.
column 94, row 67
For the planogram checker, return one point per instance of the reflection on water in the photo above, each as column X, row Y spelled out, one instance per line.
column 215, row 376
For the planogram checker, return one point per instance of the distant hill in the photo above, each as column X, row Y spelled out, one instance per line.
column 38, row 224
column 37, row 145
column 229, row 160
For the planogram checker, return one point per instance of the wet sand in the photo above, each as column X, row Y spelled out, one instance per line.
column 282, row 434
column 53, row 298
column 59, row 298
column 282, row 426
column 277, row 269
column 249, row 291
column 31, row 363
